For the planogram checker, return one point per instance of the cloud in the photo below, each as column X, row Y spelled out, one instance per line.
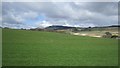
column 60, row 0
column 60, row 13
column 43, row 24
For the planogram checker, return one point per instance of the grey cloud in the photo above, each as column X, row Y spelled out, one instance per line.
column 16, row 14
column 64, row 13
column 106, row 8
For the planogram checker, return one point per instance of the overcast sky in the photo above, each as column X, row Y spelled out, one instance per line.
column 43, row 14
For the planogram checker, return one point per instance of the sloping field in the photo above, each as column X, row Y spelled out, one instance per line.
column 37, row 48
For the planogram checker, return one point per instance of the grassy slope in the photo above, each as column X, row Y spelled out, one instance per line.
column 34, row 48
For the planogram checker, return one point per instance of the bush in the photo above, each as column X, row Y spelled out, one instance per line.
column 114, row 36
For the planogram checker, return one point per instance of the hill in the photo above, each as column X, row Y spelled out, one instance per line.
column 58, row 27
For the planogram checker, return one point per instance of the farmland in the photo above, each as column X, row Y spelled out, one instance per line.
column 40, row 48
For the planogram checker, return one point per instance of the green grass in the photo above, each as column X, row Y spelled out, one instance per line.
column 37, row 48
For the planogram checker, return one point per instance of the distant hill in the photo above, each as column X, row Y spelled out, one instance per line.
column 58, row 27
column 114, row 26
column 108, row 26
column 78, row 29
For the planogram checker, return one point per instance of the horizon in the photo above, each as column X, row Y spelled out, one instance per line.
column 63, row 26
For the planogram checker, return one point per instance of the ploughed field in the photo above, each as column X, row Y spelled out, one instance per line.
column 39, row 48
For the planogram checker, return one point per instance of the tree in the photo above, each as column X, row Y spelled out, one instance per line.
column 107, row 35
column 75, row 29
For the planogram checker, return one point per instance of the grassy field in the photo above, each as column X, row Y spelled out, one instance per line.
column 37, row 48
